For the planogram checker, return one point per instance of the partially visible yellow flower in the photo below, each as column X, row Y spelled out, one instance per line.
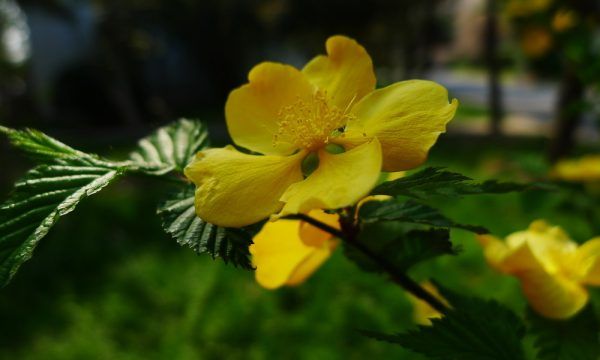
column 518, row 8
column 552, row 268
column 287, row 252
column 423, row 312
column 563, row 20
column 585, row 169
column 325, row 134
column 536, row 41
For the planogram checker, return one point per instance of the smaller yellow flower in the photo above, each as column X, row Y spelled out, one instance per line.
column 585, row 169
column 536, row 41
column 423, row 312
column 563, row 20
column 287, row 252
column 552, row 268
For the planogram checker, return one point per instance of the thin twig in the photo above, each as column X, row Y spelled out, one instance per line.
column 348, row 235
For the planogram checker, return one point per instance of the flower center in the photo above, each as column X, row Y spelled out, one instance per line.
column 310, row 124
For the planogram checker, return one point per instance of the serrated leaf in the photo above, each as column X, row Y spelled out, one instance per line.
column 399, row 245
column 171, row 147
column 180, row 221
column 412, row 212
column 473, row 329
column 41, row 147
column 39, row 200
column 577, row 338
column 434, row 181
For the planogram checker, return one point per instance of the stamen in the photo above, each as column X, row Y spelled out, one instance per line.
column 310, row 124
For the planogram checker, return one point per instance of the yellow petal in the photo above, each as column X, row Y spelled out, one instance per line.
column 252, row 110
column 282, row 258
column 346, row 73
column 588, row 262
column 553, row 296
column 314, row 236
column 236, row 189
column 340, row 180
column 423, row 312
column 406, row 117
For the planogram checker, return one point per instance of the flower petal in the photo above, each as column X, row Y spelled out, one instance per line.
column 252, row 110
column 236, row 189
column 282, row 258
column 340, row 180
column 407, row 118
column 314, row 236
column 588, row 262
column 553, row 296
column 345, row 73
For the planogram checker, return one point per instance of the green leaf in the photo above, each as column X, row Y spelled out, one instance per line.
column 473, row 329
column 412, row 212
column 43, row 148
column 577, row 338
column 399, row 245
column 434, row 181
column 171, row 147
column 180, row 221
column 39, row 200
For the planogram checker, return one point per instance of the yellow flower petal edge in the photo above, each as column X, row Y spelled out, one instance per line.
column 346, row 74
column 281, row 255
column 253, row 111
column 313, row 236
column 552, row 269
column 423, row 312
column 339, row 181
column 235, row 189
column 406, row 117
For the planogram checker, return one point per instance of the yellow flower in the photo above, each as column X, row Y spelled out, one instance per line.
column 563, row 20
column 585, row 169
column 423, row 312
column 325, row 134
column 536, row 41
column 287, row 252
column 553, row 269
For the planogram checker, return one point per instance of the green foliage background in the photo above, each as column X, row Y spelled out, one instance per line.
column 109, row 283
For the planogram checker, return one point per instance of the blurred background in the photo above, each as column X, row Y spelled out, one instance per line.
column 99, row 74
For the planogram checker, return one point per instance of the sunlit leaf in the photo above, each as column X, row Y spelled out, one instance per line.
column 180, row 221
column 171, row 147
column 38, row 201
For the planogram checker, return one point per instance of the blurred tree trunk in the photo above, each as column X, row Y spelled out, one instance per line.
column 568, row 112
column 493, row 66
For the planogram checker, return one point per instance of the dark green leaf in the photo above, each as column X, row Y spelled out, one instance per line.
column 473, row 329
column 412, row 212
column 180, row 221
column 399, row 245
column 434, row 181
column 39, row 200
column 577, row 338
column 171, row 147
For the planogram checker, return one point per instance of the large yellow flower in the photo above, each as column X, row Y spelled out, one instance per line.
column 287, row 252
column 553, row 269
column 324, row 133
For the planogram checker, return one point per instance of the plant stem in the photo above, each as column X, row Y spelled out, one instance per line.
column 348, row 234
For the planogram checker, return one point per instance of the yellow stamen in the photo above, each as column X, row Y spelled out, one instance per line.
column 310, row 125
